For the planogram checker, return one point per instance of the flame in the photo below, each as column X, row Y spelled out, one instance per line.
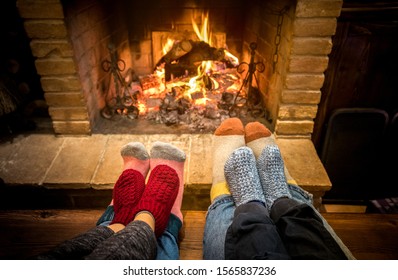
column 233, row 59
column 196, row 84
column 204, row 33
column 201, row 101
column 142, row 109
column 168, row 46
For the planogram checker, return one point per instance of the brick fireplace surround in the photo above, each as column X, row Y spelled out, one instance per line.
column 63, row 45
column 68, row 59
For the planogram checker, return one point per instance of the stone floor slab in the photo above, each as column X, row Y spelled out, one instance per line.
column 31, row 159
column 77, row 161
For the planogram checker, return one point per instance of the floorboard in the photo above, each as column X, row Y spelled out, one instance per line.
column 25, row 233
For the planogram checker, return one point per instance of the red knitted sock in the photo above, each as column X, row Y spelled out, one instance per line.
column 167, row 154
column 159, row 196
column 127, row 192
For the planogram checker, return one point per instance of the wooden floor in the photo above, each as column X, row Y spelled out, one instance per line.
column 25, row 233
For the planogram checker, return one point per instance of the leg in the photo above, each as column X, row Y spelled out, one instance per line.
column 138, row 239
column 168, row 241
column 227, row 137
column 135, row 242
column 161, row 153
column 80, row 246
column 167, row 154
column 303, row 232
column 219, row 217
column 127, row 191
column 252, row 234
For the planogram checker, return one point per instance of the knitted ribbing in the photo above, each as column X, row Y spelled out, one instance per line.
column 272, row 176
column 127, row 192
column 167, row 154
column 159, row 196
column 242, row 177
column 229, row 136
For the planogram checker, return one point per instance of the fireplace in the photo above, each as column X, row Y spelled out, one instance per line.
column 72, row 40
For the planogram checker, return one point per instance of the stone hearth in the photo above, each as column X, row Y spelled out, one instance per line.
column 94, row 163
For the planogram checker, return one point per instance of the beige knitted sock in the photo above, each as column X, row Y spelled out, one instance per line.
column 229, row 136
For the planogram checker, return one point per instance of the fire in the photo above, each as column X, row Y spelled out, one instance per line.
column 167, row 47
column 194, row 89
column 197, row 83
column 233, row 59
column 204, row 33
column 142, row 108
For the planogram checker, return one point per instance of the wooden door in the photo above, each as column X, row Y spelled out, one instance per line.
column 363, row 65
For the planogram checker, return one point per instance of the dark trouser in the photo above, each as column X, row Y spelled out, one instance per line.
column 136, row 241
column 292, row 230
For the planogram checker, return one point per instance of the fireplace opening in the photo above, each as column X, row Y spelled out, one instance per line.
column 153, row 67
column 194, row 86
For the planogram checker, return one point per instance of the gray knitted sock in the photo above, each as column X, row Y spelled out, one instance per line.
column 242, row 177
column 272, row 176
column 136, row 241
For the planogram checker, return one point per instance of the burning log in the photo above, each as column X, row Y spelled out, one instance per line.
column 179, row 49
column 185, row 57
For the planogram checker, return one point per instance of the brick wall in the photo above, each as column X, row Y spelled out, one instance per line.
column 293, row 76
column 313, row 25
column 45, row 24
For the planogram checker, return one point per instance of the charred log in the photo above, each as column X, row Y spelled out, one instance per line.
column 185, row 57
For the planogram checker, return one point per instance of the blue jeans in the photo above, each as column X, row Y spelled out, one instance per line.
column 221, row 213
column 219, row 217
column 167, row 247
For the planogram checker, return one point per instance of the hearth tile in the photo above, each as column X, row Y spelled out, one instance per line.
column 111, row 164
column 30, row 159
column 76, row 162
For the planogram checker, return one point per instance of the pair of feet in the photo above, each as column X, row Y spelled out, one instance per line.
column 250, row 162
column 161, row 195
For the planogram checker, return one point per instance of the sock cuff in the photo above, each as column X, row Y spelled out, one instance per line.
column 124, row 216
column 134, row 149
column 158, row 211
column 259, row 144
column 231, row 126
column 161, row 150
column 219, row 189
column 256, row 130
